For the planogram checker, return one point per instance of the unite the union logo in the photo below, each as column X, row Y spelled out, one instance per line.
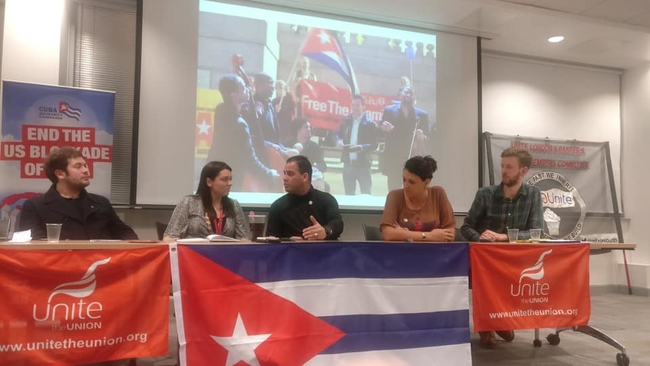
column 72, row 314
column 564, row 207
column 533, row 291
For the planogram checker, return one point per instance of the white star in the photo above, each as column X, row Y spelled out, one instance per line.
column 203, row 127
column 241, row 346
column 324, row 37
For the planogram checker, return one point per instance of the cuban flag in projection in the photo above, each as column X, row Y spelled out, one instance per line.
column 322, row 304
column 323, row 46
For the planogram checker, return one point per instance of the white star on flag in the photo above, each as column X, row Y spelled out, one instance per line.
column 324, row 37
column 241, row 346
column 203, row 127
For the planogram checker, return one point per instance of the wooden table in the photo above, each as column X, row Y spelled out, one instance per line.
column 599, row 248
column 596, row 248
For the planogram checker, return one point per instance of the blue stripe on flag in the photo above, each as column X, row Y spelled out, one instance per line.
column 399, row 322
column 380, row 332
column 399, row 340
column 71, row 115
column 283, row 262
column 332, row 63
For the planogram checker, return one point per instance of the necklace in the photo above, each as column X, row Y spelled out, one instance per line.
column 421, row 205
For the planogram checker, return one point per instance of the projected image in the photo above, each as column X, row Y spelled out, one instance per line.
column 357, row 100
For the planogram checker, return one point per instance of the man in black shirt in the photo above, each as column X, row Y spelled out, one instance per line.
column 84, row 215
column 232, row 141
column 304, row 212
column 264, row 126
column 261, row 116
column 406, row 130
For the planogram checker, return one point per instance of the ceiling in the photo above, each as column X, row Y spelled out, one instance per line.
column 608, row 33
column 613, row 33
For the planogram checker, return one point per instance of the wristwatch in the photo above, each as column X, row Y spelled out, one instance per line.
column 424, row 236
column 328, row 231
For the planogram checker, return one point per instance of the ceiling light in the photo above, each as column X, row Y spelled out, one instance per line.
column 556, row 39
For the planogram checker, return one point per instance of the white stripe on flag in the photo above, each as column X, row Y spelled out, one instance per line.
column 178, row 304
column 457, row 354
column 352, row 296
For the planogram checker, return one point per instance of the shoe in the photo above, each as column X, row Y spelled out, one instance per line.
column 488, row 340
column 507, row 335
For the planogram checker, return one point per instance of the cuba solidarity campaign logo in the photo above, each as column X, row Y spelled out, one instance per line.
column 564, row 207
column 534, row 290
column 70, row 314
column 64, row 109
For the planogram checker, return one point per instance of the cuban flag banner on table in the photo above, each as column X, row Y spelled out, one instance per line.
column 322, row 304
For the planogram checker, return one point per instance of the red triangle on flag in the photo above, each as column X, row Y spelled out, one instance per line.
column 218, row 304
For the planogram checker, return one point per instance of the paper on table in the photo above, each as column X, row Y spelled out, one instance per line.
column 217, row 237
column 21, row 237
column 210, row 238
column 192, row 240
column 559, row 241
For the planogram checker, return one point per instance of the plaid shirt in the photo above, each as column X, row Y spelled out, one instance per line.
column 491, row 210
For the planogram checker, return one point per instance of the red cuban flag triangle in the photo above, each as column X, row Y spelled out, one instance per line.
column 322, row 304
column 322, row 45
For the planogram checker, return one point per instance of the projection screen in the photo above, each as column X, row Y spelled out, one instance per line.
column 321, row 63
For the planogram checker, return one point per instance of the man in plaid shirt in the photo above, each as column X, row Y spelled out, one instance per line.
column 509, row 205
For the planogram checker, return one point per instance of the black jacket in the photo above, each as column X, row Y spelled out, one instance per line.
column 397, row 148
column 231, row 142
column 366, row 137
column 262, row 125
column 98, row 220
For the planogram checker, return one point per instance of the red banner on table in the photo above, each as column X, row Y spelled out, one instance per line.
column 530, row 286
column 326, row 105
column 76, row 307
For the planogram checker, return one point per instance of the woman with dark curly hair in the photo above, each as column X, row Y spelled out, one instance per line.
column 418, row 212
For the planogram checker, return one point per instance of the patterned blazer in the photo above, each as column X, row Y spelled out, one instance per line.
column 188, row 221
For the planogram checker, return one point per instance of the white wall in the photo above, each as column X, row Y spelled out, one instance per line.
column 31, row 43
column 535, row 99
column 32, row 40
column 168, row 71
column 529, row 98
column 636, row 136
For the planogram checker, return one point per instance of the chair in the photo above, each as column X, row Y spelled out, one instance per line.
column 458, row 237
column 5, row 224
column 372, row 233
column 160, row 229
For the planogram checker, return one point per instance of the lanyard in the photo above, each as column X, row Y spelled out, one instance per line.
column 217, row 222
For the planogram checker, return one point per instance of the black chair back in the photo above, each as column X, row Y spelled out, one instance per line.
column 5, row 224
column 372, row 233
column 160, row 229
column 459, row 236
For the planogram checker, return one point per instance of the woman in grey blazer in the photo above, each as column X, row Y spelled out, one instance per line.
column 210, row 210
